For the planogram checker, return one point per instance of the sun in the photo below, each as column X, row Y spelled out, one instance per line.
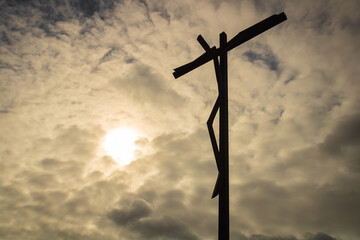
column 120, row 145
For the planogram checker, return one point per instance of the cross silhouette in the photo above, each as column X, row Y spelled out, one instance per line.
column 222, row 152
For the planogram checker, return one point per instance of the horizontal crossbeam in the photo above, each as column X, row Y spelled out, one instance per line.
column 240, row 38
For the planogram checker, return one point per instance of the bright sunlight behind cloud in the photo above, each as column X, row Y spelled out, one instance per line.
column 120, row 145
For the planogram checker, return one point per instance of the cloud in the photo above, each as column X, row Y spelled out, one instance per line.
column 144, row 86
column 4, row 111
column 137, row 210
column 321, row 184
column 343, row 143
column 61, row 10
column 318, row 236
column 307, row 236
column 269, row 60
column 166, row 227
column 138, row 218
column 263, row 237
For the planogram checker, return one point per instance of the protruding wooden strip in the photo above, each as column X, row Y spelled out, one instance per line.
column 217, row 72
column 206, row 47
column 214, row 144
column 217, row 187
column 203, row 43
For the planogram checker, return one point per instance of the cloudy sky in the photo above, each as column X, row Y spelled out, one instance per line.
column 73, row 71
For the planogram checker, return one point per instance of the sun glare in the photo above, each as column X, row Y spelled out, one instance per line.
column 120, row 145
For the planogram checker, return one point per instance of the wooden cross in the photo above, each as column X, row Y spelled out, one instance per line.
column 222, row 152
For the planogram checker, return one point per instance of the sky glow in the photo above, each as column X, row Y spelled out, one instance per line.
column 120, row 145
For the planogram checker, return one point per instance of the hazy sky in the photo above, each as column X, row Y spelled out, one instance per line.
column 72, row 71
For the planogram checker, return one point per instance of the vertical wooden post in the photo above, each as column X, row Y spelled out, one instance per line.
column 224, row 145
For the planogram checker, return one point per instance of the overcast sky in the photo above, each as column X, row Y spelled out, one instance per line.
column 71, row 72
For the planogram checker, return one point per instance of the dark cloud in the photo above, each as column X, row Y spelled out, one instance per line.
column 4, row 111
column 138, row 209
column 89, row 7
column 41, row 180
column 46, row 14
column 5, row 39
column 176, row 210
column 268, row 59
column 130, row 60
column 346, row 133
column 277, row 119
column 264, row 237
column 107, row 56
column 328, row 196
column 308, row 236
column 50, row 163
column 5, row 65
column 268, row 202
column 350, row 23
column 321, row 21
column 163, row 12
column 138, row 218
column 344, row 142
column 318, row 236
column 63, row 10
column 145, row 4
column 166, row 227
column 290, row 79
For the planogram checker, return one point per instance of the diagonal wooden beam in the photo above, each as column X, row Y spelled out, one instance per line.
column 214, row 144
column 240, row 38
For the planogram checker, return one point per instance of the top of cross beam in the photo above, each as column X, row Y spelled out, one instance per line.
column 240, row 38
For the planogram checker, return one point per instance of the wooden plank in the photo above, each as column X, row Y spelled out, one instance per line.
column 224, row 145
column 240, row 38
